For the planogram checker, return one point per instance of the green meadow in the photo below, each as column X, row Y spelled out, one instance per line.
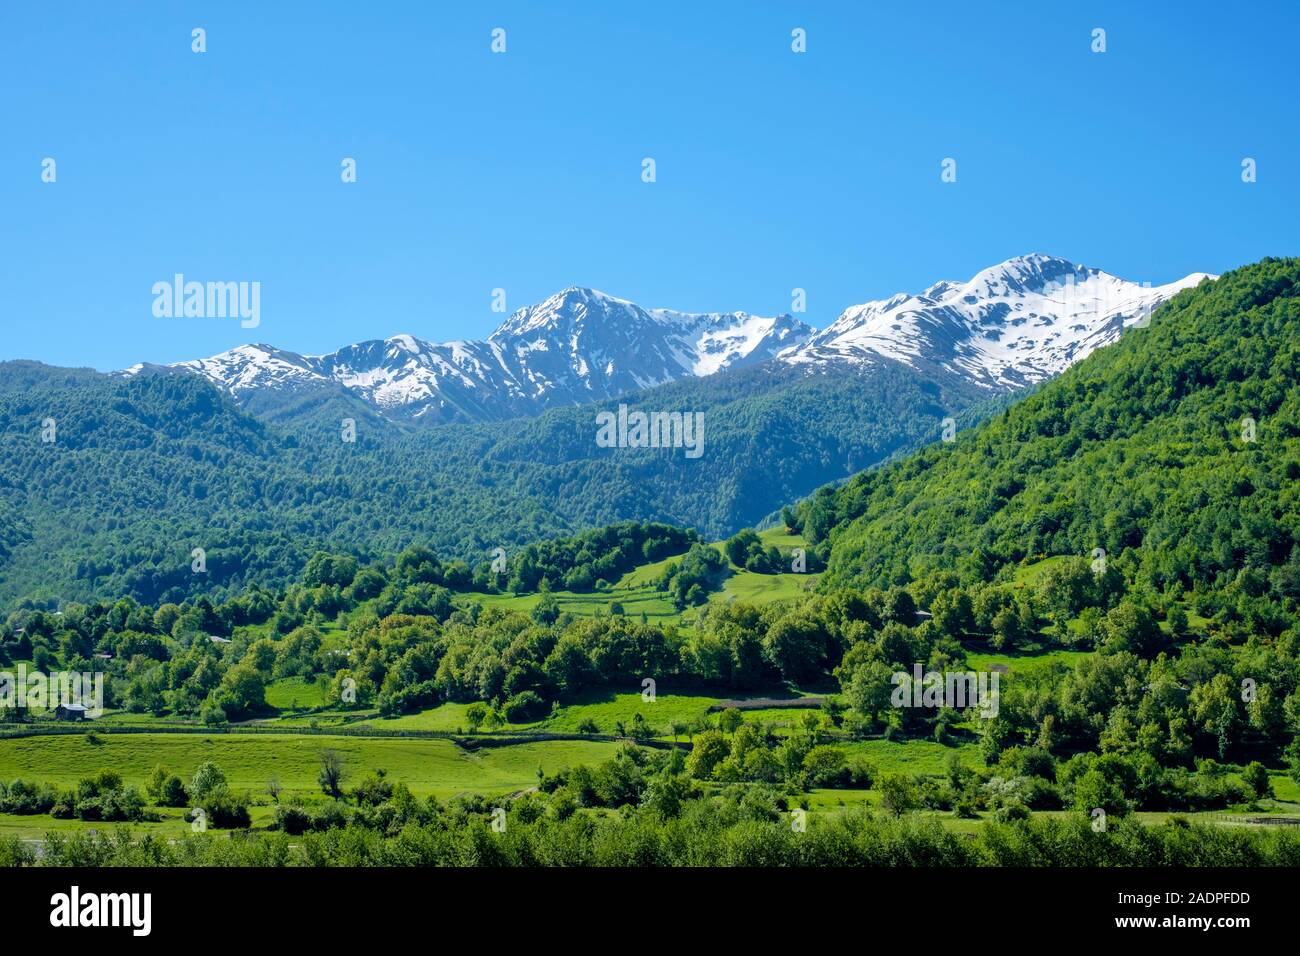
column 636, row 594
column 296, row 693
column 430, row 767
column 444, row 768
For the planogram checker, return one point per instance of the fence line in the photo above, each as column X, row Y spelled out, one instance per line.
column 468, row 742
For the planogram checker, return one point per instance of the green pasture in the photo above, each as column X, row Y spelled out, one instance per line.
column 1025, row 662
column 428, row 766
column 636, row 593
column 297, row 693
column 606, row 707
column 912, row 757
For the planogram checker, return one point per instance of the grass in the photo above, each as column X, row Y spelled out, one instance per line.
column 833, row 800
column 763, row 588
column 604, row 706
column 1284, row 788
column 441, row 768
column 1031, row 575
column 782, row 721
column 449, row 717
column 635, row 601
column 913, row 757
column 429, row 767
column 296, row 693
column 636, row 593
column 174, row 823
column 607, row 708
column 1025, row 662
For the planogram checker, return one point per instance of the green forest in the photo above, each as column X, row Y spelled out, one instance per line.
column 1120, row 547
column 137, row 473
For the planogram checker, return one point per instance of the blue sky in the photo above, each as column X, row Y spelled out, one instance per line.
column 522, row 170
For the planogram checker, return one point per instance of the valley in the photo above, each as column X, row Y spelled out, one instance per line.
column 1111, row 546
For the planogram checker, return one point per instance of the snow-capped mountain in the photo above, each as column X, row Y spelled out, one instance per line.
column 1013, row 324
column 577, row 346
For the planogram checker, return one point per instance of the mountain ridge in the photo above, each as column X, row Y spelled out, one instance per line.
column 1012, row 324
column 575, row 347
column 1172, row 454
column 177, row 463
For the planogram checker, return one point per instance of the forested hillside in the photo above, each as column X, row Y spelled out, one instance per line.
column 771, row 435
column 141, row 471
column 1174, row 452
column 1118, row 548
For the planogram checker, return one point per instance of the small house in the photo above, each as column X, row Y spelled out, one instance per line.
column 71, row 712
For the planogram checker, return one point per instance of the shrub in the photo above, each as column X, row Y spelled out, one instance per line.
column 1256, row 779
column 292, row 819
column 226, row 811
column 172, row 793
column 524, row 707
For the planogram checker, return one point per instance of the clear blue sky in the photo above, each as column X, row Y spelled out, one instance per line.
column 522, row 170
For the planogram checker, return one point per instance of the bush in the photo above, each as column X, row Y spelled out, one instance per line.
column 332, row 815
column 293, row 820
column 1040, row 794
column 172, row 793
column 825, row 767
column 27, row 798
column 1256, row 779
column 898, row 793
column 208, row 778
column 226, row 811
column 525, row 706
column 1011, row 811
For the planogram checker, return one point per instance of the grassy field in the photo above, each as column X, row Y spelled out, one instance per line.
column 635, row 601
column 763, row 588
column 1024, row 663
column 606, row 707
column 1031, row 575
column 174, row 823
column 449, row 717
column 429, row 767
column 296, row 693
column 913, row 757
column 635, row 592
column 442, row 768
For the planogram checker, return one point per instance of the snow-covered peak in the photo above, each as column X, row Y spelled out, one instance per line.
column 1012, row 324
column 578, row 345
column 248, row 368
column 725, row 340
column 566, row 309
